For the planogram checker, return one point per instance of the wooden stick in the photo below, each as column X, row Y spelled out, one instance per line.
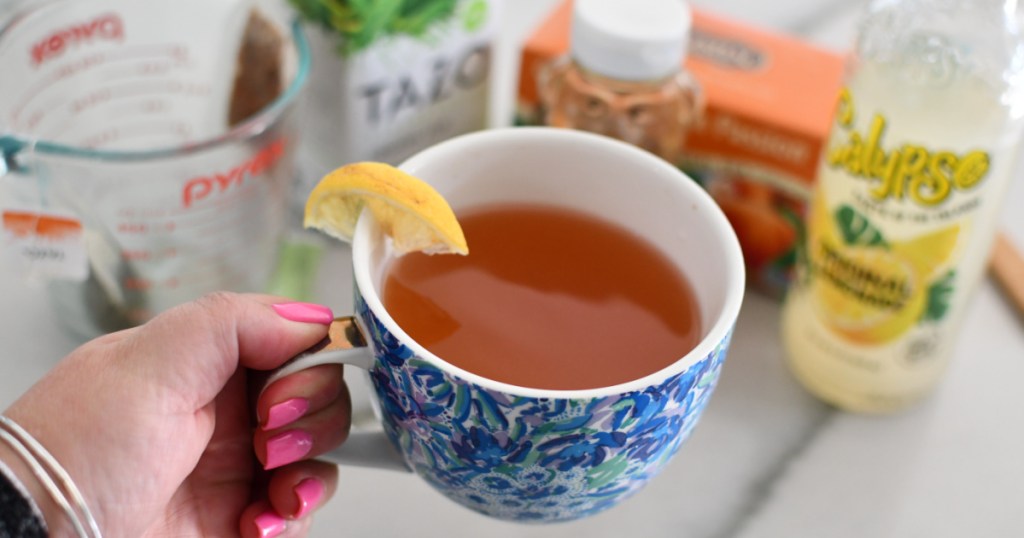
column 1007, row 265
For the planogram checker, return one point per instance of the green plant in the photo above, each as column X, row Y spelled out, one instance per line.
column 362, row 22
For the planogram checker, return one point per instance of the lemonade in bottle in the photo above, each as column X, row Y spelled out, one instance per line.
column 903, row 216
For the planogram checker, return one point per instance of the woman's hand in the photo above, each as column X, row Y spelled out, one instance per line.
column 156, row 427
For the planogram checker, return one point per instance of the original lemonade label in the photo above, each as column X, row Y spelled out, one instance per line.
column 871, row 286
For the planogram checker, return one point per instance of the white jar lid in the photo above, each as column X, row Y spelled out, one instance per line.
column 630, row 39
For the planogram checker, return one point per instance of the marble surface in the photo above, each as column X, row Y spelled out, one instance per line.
column 767, row 460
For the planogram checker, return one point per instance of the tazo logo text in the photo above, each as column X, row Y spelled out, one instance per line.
column 925, row 176
column 201, row 187
column 107, row 26
column 386, row 99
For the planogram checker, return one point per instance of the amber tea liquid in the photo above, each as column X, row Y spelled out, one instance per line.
column 547, row 298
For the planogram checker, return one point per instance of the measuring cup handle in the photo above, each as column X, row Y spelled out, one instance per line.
column 345, row 344
column 9, row 148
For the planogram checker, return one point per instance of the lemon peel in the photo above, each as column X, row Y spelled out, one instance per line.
column 408, row 209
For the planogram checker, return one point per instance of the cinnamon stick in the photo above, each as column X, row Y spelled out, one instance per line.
column 1007, row 265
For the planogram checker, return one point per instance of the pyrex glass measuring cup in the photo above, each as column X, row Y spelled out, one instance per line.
column 114, row 124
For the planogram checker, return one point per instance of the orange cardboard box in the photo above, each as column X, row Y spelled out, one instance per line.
column 768, row 103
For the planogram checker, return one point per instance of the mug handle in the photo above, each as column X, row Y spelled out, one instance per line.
column 345, row 345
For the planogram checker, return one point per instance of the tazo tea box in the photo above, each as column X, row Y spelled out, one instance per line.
column 768, row 101
column 391, row 78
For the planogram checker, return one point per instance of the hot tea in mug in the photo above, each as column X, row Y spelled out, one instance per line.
column 560, row 299
column 561, row 364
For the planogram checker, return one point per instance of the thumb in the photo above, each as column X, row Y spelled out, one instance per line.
column 200, row 344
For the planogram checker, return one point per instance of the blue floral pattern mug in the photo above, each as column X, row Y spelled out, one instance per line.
column 519, row 453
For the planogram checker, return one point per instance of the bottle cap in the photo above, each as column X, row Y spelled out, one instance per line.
column 630, row 39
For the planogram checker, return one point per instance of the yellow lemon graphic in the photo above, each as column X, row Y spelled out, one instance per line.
column 868, row 294
column 929, row 252
column 873, row 294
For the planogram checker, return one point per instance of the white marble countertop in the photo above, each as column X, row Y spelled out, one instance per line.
column 767, row 460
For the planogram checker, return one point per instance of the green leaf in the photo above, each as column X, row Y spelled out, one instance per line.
column 939, row 294
column 475, row 15
column 791, row 256
column 375, row 16
column 418, row 17
column 857, row 229
column 361, row 23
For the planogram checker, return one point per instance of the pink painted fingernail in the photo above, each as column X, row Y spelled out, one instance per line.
column 269, row 524
column 309, row 493
column 304, row 312
column 285, row 413
column 284, row 448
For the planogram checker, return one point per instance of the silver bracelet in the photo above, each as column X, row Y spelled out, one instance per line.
column 52, row 476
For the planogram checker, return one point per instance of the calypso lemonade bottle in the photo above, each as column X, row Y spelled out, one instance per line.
column 904, row 213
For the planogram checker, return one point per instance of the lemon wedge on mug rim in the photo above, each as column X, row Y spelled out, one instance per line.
column 408, row 209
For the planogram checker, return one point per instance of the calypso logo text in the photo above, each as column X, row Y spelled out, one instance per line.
column 926, row 176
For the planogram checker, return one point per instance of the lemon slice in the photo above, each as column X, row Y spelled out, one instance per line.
column 411, row 212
